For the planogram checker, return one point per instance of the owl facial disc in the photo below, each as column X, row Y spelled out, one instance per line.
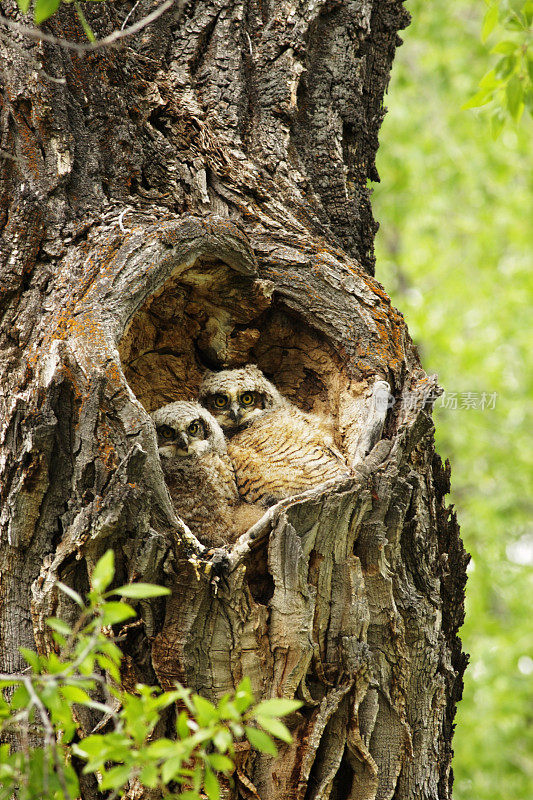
column 185, row 430
column 236, row 397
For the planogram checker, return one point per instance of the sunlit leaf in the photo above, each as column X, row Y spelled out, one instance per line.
column 514, row 94
column 277, row 707
column 505, row 48
column 115, row 778
column 261, row 741
column 140, row 590
column 149, row 776
column 112, row 613
column 489, row 22
column 275, row 727
column 220, row 763
column 44, row 9
column 103, row 572
column 205, row 710
column 75, row 695
column 70, row 592
column 59, row 626
column 211, row 785
column 32, row 658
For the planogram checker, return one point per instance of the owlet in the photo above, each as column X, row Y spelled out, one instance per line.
column 199, row 473
column 277, row 449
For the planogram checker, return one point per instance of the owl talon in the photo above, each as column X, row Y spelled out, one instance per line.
column 218, row 561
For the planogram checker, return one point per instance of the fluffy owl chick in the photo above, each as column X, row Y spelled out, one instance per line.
column 199, row 473
column 284, row 452
column 238, row 397
column 277, row 449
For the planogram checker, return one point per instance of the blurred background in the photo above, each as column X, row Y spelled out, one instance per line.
column 454, row 250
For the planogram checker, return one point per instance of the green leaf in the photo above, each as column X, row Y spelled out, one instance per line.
column 222, row 740
column 514, row 94
column 115, row 778
column 489, row 22
column 189, row 795
column 103, row 572
column 75, row 695
column 489, row 80
column 244, row 696
column 109, row 666
column 481, row 98
column 497, row 121
column 237, row 729
column 114, row 612
column 32, row 658
column 505, row 67
column 211, row 785
column 162, row 748
column 87, row 665
column 20, row 698
column 220, row 763
column 59, row 626
column 44, row 9
column 182, row 726
column 171, row 768
column 261, row 741
column 59, row 639
column 149, row 776
column 23, row 5
column 71, row 593
column 505, row 48
column 276, row 707
column 89, row 747
column 275, row 727
column 205, row 710
column 140, row 590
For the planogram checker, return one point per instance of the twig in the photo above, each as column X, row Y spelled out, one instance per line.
column 35, row 64
column 40, row 36
column 130, row 12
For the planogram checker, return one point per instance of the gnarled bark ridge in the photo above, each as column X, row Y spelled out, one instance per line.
column 197, row 197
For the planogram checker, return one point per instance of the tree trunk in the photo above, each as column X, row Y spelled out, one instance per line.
column 197, row 197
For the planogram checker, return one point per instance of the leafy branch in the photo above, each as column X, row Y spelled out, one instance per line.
column 40, row 706
column 507, row 88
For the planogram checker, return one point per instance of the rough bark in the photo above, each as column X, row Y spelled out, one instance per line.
column 197, row 197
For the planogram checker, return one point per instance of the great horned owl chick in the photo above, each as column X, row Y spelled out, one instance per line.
column 199, row 473
column 277, row 449
column 236, row 397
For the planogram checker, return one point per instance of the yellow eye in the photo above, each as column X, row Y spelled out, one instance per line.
column 247, row 398
column 220, row 400
column 194, row 427
column 165, row 431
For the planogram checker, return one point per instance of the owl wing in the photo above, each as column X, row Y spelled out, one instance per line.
column 282, row 454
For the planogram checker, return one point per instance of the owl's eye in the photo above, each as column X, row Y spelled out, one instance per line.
column 165, row 431
column 220, row 400
column 194, row 427
column 247, row 398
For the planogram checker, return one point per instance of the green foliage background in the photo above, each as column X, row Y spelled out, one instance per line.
column 454, row 250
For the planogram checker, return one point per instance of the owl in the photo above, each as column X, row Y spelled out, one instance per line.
column 277, row 449
column 237, row 397
column 199, row 473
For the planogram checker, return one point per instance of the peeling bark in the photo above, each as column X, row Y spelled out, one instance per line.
column 197, row 197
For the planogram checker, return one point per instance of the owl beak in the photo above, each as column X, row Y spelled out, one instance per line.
column 182, row 442
column 235, row 412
